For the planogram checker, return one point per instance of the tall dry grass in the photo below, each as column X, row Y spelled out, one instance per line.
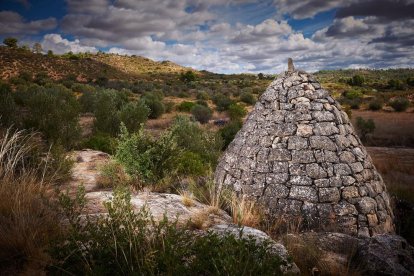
column 27, row 220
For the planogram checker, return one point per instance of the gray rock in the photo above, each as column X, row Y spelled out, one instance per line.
column 304, row 193
column 329, row 195
column 322, row 142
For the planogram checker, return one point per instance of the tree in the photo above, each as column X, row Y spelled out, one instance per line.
column 37, row 48
column 10, row 42
column 356, row 80
column 260, row 76
column 365, row 127
column 50, row 53
column 133, row 115
column 201, row 113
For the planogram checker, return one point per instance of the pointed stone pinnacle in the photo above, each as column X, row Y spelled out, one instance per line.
column 291, row 67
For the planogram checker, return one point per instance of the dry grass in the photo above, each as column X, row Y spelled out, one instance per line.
column 245, row 212
column 27, row 221
column 187, row 198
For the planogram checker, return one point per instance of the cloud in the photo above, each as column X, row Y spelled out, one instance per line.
column 14, row 23
column 60, row 45
column 300, row 9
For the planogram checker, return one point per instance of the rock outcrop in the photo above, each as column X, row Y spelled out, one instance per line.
column 299, row 156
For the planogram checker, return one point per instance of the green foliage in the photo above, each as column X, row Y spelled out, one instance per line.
column 356, row 80
column 203, row 95
column 247, row 98
column 8, row 108
column 229, row 131
column 185, row 106
column 50, row 53
column 145, row 157
column 395, row 84
column 101, row 141
column 10, row 42
column 222, row 102
column 353, row 94
column 54, row 111
column 188, row 76
column 126, row 242
column 106, row 110
column 154, row 103
column 236, row 112
column 399, row 104
column 260, row 76
column 364, row 127
column 190, row 164
column 375, row 105
column 201, row 113
column 133, row 115
column 410, row 81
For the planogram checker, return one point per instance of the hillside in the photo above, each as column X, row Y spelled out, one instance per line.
column 83, row 66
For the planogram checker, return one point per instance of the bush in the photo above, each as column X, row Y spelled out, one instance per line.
column 203, row 95
column 188, row 76
column 112, row 175
column 395, row 84
column 353, row 94
column 247, row 98
column 133, row 115
column 155, row 105
column 10, row 42
column 8, row 108
column 88, row 101
column 236, row 112
column 132, row 243
column 364, row 127
column 102, row 142
column 190, row 164
column 185, row 106
column 399, row 104
column 222, row 102
column 375, row 105
column 356, row 80
column 201, row 113
column 54, row 111
column 106, row 112
column 229, row 131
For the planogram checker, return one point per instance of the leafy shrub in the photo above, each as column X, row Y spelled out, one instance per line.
column 188, row 76
column 202, row 95
column 10, row 42
column 133, row 115
column 202, row 102
column 364, row 127
column 145, row 157
column 222, row 102
column 236, row 112
column 88, row 101
column 132, row 243
column 247, row 98
column 106, row 112
column 102, row 142
column 375, row 105
column 190, row 164
column 356, row 80
column 410, row 81
column 395, row 84
column 229, row 131
column 201, row 113
column 54, row 111
column 8, row 108
column 399, row 104
column 154, row 103
column 353, row 94
column 185, row 106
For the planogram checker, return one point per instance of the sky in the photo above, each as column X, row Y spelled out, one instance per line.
column 223, row 36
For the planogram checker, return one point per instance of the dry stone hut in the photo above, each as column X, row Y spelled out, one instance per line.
column 298, row 155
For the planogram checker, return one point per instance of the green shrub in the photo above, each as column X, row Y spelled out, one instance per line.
column 130, row 242
column 399, row 104
column 54, row 111
column 229, row 131
column 202, row 102
column 203, row 95
column 154, row 103
column 353, row 94
column 201, row 113
column 190, row 164
column 364, row 127
column 222, row 102
column 185, row 106
column 236, row 112
column 88, row 101
column 8, row 108
column 375, row 105
column 410, row 81
column 133, row 115
column 356, row 80
column 102, row 142
column 149, row 159
column 395, row 84
column 188, row 76
column 247, row 98
column 10, row 42
column 106, row 112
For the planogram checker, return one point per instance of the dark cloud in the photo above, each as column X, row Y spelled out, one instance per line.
column 384, row 9
column 14, row 23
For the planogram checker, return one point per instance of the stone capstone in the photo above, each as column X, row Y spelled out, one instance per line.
column 298, row 154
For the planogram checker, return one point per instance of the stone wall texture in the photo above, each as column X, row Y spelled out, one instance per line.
column 298, row 155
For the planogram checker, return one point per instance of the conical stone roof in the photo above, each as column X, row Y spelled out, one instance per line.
column 298, row 155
